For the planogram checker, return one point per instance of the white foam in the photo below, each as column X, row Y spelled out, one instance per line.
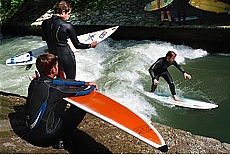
column 116, row 66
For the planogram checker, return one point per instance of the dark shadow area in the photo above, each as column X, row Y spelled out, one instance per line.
column 10, row 26
column 82, row 143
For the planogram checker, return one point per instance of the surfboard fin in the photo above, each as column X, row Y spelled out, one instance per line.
column 28, row 66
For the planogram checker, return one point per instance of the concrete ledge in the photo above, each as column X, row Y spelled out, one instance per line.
column 214, row 40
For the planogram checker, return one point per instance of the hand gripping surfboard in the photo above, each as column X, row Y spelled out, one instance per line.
column 29, row 58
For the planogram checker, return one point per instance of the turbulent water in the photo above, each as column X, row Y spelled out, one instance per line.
column 119, row 67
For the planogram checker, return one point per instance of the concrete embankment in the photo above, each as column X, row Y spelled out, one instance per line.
column 96, row 136
column 209, row 31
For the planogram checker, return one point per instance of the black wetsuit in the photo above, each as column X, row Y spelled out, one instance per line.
column 56, row 32
column 159, row 68
column 182, row 7
column 47, row 118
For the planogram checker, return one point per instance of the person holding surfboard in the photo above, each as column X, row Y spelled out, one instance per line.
column 163, row 10
column 181, row 10
column 56, row 31
column 49, row 118
column 159, row 69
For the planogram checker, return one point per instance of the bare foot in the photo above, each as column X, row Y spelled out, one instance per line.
column 175, row 98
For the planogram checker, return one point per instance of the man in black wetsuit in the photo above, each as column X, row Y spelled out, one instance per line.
column 159, row 68
column 182, row 8
column 56, row 31
column 166, row 9
column 49, row 118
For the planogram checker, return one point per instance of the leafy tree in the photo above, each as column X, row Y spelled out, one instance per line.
column 8, row 8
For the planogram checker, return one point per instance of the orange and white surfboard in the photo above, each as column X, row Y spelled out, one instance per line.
column 120, row 116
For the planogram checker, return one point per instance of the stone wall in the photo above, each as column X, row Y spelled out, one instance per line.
column 209, row 31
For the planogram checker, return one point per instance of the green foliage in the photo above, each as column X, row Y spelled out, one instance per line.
column 8, row 8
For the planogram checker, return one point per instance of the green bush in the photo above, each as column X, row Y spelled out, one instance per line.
column 8, row 8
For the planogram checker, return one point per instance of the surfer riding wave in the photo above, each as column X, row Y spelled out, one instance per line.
column 159, row 69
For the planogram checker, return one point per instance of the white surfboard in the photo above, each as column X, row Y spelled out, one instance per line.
column 188, row 18
column 183, row 102
column 28, row 58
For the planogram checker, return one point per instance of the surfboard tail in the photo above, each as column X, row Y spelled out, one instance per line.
column 163, row 148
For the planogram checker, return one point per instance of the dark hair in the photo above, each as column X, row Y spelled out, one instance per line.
column 60, row 6
column 170, row 54
column 45, row 63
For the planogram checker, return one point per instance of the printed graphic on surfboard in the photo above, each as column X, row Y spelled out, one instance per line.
column 183, row 102
column 210, row 5
column 28, row 58
column 188, row 18
column 115, row 113
column 153, row 5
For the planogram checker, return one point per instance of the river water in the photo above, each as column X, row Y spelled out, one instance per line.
column 118, row 67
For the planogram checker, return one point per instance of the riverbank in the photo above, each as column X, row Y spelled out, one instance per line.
column 97, row 136
column 209, row 31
